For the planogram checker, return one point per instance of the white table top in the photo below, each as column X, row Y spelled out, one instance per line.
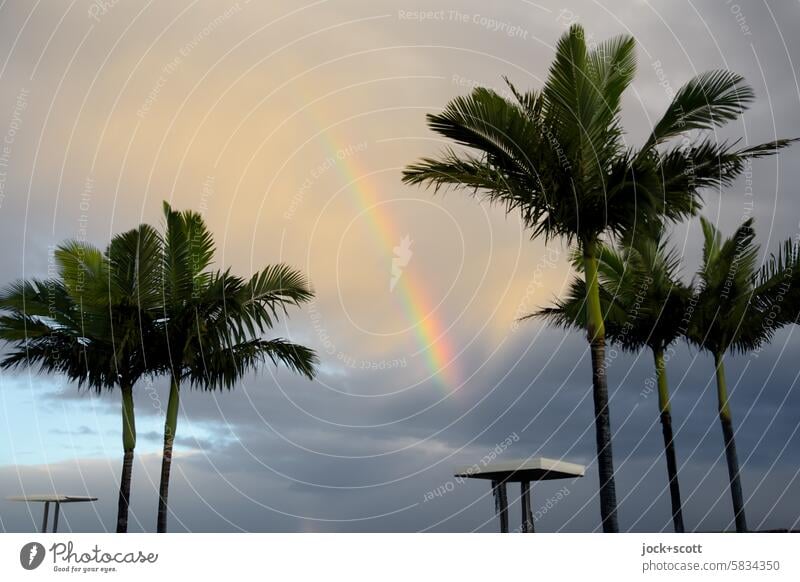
column 51, row 498
column 535, row 469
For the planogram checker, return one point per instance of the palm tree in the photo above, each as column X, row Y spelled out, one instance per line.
column 558, row 157
column 643, row 304
column 738, row 308
column 211, row 322
column 92, row 323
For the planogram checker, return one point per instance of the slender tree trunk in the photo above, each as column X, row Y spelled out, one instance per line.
column 128, row 445
column 730, row 445
column 597, row 341
column 669, row 444
column 170, row 426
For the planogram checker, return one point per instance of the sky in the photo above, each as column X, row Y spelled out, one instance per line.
column 287, row 125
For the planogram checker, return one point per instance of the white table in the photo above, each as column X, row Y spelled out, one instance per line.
column 47, row 500
column 523, row 472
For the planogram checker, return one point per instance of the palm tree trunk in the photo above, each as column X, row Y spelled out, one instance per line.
column 128, row 445
column 669, row 444
column 730, row 445
column 602, row 421
column 170, row 426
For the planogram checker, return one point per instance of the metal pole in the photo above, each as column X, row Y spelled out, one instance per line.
column 527, row 516
column 55, row 517
column 503, row 500
column 46, row 512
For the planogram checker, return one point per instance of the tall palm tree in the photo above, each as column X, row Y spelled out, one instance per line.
column 738, row 308
column 558, row 156
column 212, row 320
column 644, row 304
column 92, row 323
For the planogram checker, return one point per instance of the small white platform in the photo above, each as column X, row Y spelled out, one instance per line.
column 51, row 498
column 523, row 472
column 536, row 469
column 47, row 500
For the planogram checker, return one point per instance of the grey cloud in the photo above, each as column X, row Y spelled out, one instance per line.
column 82, row 430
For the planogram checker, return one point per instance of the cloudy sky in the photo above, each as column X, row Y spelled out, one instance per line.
column 287, row 125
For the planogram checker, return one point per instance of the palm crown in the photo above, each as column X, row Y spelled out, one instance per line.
column 558, row 155
column 643, row 300
column 90, row 322
column 739, row 305
column 212, row 319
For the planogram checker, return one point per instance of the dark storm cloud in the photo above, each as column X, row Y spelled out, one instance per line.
column 324, row 476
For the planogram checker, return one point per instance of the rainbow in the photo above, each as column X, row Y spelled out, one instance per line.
column 430, row 331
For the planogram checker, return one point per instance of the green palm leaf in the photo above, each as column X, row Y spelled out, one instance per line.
column 707, row 101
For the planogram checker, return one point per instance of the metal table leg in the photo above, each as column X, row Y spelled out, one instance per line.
column 55, row 517
column 46, row 512
column 501, row 501
column 527, row 516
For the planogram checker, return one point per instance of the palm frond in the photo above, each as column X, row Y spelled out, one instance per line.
column 777, row 286
column 188, row 251
column 740, row 306
column 84, row 271
column 223, row 368
column 707, row 101
column 487, row 121
column 136, row 266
